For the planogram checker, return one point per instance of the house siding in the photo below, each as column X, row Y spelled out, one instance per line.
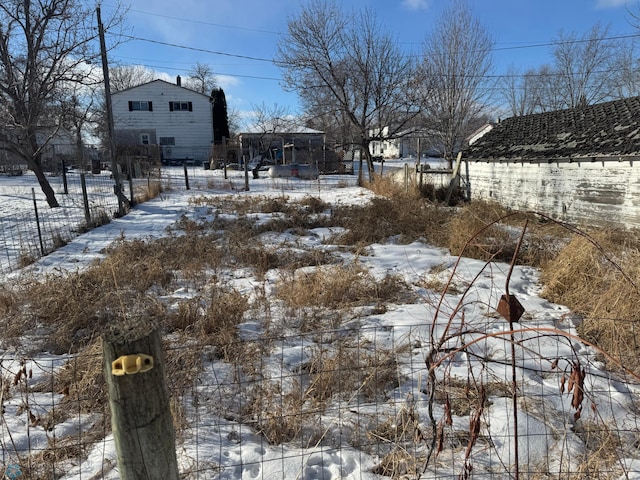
column 601, row 193
column 192, row 129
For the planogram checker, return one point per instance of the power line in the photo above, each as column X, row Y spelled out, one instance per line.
column 494, row 49
column 516, row 47
column 567, row 42
column 256, row 77
column 251, row 58
column 196, row 49
column 259, row 59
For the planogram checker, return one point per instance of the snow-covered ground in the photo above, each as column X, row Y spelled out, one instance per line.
column 458, row 334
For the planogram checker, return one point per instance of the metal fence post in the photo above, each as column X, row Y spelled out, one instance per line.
column 132, row 200
column 186, row 176
column 85, row 199
column 35, row 208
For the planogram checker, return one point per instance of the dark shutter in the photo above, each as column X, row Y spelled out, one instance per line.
column 150, row 106
column 171, row 106
column 190, row 107
column 130, row 106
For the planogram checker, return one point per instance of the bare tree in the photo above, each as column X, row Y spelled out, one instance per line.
column 201, row 78
column 522, row 92
column 586, row 67
column 347, row 65
column 46, row 51
column 455, row 66
column 548, row 84
column 128, row 76
column 339, row 132
column 537, row 90
column 234, row 116
column 628, row 71
column 265, row 123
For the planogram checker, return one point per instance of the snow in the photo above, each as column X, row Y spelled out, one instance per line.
column 476, row 345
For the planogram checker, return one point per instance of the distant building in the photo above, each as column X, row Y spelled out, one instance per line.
column 288, row 145
column 411, row 143
column 178, row 121
column 58, row 146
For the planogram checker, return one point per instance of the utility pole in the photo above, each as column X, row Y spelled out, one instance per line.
column 110, row 128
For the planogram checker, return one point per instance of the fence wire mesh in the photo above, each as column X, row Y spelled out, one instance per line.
column 31, row 229
column 345, row 403
column 421, row 399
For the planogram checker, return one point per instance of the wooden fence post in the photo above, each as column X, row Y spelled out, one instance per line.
column 141, row 417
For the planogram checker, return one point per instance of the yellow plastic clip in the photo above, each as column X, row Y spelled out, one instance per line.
column 130, row 364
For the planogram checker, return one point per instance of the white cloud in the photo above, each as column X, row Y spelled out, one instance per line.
column 417, row 4
column 227, row 81
column 611, row 3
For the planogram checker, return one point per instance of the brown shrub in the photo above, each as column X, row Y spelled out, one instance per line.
column 351, row 371
column 476, row 231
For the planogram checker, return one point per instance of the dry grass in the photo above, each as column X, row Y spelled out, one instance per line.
column 90, row 300
column 344, row 372
column 403, row 217
column 137, row 274
column 8, row 301
column 602, row 450
column 462, row 396
column 338, row 286
column 351, row 371
column 596, row 277
column 276, row 415
column 81, row 381
column 148, row 192
column 403, row 434
column 212, row 320
column 488, row 231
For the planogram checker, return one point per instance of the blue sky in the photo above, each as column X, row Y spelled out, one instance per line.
column 238, row 37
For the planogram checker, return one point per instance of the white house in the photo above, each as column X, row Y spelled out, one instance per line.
column 177, row 119
column 413, row 142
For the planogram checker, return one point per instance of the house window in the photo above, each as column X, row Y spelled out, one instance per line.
column 144, row 139
column 180, row 107
column 167, row 140
column 142, row 106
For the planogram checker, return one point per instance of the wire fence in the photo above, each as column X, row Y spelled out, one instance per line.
column 357, row 403
column 417, row 400
column 30, row 229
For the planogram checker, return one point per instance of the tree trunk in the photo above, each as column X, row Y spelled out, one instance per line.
column 370, row 167
column 367, row 156
column 44, row 183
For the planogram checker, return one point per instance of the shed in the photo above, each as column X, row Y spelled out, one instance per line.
column 281, row 143
column 578, row 165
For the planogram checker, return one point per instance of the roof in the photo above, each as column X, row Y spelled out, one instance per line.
column 281, row 129
column 602, row 130
column 169, row 84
